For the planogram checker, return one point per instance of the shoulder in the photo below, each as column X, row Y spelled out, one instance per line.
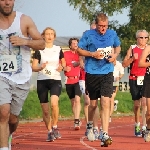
column 111, row 32
column 56, row 47
column 133, row 46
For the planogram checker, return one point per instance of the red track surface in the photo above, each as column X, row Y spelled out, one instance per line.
column 32, row 136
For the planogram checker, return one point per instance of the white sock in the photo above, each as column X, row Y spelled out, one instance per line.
column 55, row 127
column 4, row 148
column 50, row 131
column 137, row 124
column 95, row 127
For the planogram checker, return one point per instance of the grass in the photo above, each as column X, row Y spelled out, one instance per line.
column 32, row 108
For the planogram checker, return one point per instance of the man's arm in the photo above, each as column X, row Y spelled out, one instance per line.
column 145, row 53
column 28, row 29
column 128, row 60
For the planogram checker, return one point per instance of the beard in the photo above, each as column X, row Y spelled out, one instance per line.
column 6, row 13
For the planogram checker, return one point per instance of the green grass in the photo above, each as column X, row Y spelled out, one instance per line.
column 32, row 108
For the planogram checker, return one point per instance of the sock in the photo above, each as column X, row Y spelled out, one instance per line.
column 96, row 128
column 137, row 124
column 76, row 120
column 4, row 148
column 55, row 127
column 50, row 131
column 89, row 125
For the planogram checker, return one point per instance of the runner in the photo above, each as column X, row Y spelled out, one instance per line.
column 94, row 45
column 132, row 57
column 72, row 71
column 47, row 64
column 146, row 86
column 18, row 34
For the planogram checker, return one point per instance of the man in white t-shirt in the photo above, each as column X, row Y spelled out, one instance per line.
column 118, row 74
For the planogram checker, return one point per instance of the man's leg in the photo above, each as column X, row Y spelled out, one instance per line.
column 4, row 126
column 144, row 109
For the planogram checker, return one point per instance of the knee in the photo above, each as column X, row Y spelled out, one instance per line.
column 4, row 115
column 93, row 107
column 13, row 119
column 46, row 113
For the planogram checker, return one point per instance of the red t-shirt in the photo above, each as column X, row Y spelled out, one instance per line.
column 135, row 70
column 82, row 74
column 70, row 57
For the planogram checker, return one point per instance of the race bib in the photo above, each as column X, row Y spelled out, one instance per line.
column 49, row 71
column 8, row 63
column 140, row 80
column 106, row 51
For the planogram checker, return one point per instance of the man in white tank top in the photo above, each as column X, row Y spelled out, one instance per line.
column 15, row 70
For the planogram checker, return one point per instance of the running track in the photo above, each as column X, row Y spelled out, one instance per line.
column 32, row 136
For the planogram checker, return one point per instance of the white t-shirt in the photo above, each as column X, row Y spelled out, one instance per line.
column 52, row 56
column 118, row 69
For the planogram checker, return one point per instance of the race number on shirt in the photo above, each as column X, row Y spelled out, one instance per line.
column 140, row 80
column 8, row 63
column 49, row 71
column 105, row 51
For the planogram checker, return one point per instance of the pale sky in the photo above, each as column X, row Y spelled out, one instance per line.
column 58, row 15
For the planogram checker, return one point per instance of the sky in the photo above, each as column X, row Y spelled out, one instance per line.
column 58, row 15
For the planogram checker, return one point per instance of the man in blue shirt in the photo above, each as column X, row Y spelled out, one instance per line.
column 100, row 46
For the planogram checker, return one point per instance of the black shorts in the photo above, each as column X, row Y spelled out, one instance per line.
column 44, row 86
column 114, row 89
column 146, row 86
column 135, row 90
column 73, row 89
column 99, row 85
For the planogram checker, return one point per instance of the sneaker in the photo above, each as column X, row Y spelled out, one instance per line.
column 9, row 142
column 115, row 105
column 95, row 131
column 137, row 130
column 91, row 135
column 77, row 125
column 100, row 134
column 57, row 134
column 50, row 137
column 106, row 140
column 143, row 130
column 147, row 136
column 86, row 132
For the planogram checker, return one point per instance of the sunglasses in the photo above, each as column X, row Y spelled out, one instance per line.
column 143, row 37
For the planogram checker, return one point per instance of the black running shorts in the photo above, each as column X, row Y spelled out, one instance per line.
column 73, row 90
column 99, row 85
column 135, row 90
column 146, row 86
column 44, row 86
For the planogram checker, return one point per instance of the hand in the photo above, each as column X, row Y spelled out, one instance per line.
column 82, row 65
column 60, row 68
column 17, row 41
column 67, row 68
column 44, row 65
column 112, row 57
column 75, row 64
column 98, row 54
column 117, row 79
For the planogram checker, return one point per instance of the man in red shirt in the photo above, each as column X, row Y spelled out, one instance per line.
column 72, row 72
column 136, row 79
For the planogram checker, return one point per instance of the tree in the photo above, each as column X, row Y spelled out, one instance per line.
column 139, row 16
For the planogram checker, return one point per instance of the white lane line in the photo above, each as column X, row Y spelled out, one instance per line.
column 92, row 148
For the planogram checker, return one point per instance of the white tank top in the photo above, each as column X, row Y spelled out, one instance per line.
column 23, row 71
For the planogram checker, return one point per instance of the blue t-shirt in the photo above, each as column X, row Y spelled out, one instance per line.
column 91, row 41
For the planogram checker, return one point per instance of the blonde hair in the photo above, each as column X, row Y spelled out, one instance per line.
column 48, row 28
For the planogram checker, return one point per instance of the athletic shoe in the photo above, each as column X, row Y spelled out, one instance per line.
column 100, row 134
column 95, row 131
column 86, row 132
column 143, row 130
column 137, row 130
column 56, row 132
column 77, row 125
column 147, row 136
column 115, row 105
column 9, row 142
column 50, row 137
column 106, row 140
column 91, row 135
